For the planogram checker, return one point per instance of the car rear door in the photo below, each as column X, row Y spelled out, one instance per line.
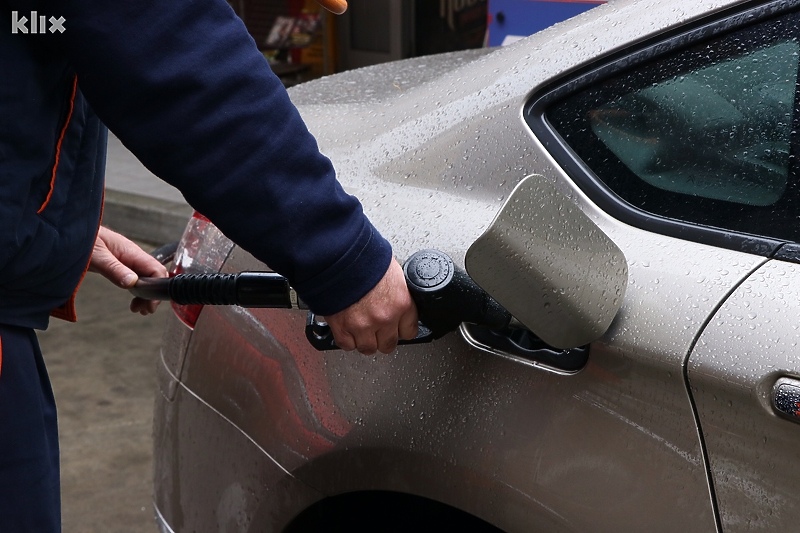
column 744, row 375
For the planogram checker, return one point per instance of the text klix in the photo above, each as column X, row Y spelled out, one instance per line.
column 38, row 23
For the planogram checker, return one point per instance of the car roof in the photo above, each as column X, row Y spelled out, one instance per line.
column 561, row 48
column 427, row 134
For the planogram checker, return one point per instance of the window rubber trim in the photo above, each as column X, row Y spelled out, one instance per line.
column 703, row 29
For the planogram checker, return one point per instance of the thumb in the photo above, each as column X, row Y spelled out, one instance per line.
column 106, row 264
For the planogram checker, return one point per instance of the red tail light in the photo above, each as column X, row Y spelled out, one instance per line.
column 202, row 250
column 188, row 314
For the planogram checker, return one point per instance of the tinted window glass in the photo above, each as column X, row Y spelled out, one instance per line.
column 704, row 136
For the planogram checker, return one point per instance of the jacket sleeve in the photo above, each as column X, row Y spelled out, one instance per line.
column 184, row 87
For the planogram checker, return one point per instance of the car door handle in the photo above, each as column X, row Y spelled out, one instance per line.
column 786, row 398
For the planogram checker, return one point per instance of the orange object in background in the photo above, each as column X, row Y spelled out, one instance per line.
column 334, row 6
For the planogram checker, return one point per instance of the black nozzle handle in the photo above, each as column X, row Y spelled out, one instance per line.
column 245, row 289
column 446, row 295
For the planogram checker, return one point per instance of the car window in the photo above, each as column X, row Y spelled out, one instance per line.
column 704, row 135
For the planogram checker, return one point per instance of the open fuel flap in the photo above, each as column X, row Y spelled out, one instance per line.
column 550, row 266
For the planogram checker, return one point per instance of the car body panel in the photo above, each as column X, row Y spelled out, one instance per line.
column 549, row 450
column 433, row 154
column 209, row 476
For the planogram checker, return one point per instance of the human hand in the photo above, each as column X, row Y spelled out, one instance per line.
column 122, row 262
column 376, row 322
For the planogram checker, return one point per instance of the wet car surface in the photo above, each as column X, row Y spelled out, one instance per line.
column 668, row 129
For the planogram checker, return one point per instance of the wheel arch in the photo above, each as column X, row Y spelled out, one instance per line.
column 391, row 511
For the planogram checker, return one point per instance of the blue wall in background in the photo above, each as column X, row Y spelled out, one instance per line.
column 525, row 17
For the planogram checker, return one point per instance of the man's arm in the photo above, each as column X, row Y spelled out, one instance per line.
column 183, row 85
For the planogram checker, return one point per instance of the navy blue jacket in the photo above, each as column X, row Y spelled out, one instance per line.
column 184, row 87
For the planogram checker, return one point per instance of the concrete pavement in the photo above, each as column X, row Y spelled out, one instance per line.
column 103, row 373
column 137, row 203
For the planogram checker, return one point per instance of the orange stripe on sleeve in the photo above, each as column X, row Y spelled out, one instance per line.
column 58, row 145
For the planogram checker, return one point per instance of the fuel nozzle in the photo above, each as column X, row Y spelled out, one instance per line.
column 445, row 296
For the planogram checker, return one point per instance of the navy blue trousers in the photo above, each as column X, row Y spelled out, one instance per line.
column 30, row 491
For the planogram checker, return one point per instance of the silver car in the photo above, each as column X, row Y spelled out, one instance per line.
column 626, row 185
